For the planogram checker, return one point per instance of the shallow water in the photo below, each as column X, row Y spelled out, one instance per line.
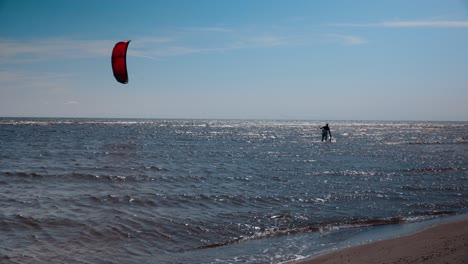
column 216, row 191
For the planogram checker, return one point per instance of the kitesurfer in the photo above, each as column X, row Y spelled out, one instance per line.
column 326, row 133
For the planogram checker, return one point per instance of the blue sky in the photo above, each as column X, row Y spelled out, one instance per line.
column 317, row 60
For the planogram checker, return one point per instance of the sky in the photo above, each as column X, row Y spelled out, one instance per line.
column 236, row 59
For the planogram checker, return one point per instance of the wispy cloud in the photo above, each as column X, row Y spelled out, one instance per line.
column 33, row 80
column 211, row 43
column 152, row 40
column 409, row 24
column 34, row 50
column 259, row 41
column 71, row 102
column 348, row 39
column 210, row 29
column 446, row 24
column 23, row 51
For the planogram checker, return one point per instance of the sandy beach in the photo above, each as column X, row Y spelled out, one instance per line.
column 444, row 243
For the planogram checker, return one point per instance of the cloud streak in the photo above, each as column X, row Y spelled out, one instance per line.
column 348, row 39
column 33, row 80
column 410, row 24
column 71, row 102
column 27, row 51
column 35, row 50
column 210, row 29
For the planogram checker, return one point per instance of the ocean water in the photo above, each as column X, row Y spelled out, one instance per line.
column 217, row 191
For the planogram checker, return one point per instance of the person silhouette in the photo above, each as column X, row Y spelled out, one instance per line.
column 326, row 133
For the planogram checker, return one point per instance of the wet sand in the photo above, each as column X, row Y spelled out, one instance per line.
column 444, row 243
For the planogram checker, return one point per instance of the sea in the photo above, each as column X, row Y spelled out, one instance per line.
column 220, row 191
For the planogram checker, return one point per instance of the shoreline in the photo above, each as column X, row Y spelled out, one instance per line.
column 441, row 243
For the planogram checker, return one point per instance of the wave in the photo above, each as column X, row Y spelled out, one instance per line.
column 71, row 175
column 74, row 121
column 84, row 231
column 160, row 174
column 324, row 227
column 91, row 177
column 373, row 172
column 382, row 172
column 434, row 170
column 457, row 141
column 23, row 174
column 24, row 222
column 125, row 199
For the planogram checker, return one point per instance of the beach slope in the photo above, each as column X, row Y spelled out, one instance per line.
column 444, row 243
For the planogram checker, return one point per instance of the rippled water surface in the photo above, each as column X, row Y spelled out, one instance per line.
column 216, row 191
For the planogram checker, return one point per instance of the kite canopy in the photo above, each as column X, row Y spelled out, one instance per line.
column 119, row 61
